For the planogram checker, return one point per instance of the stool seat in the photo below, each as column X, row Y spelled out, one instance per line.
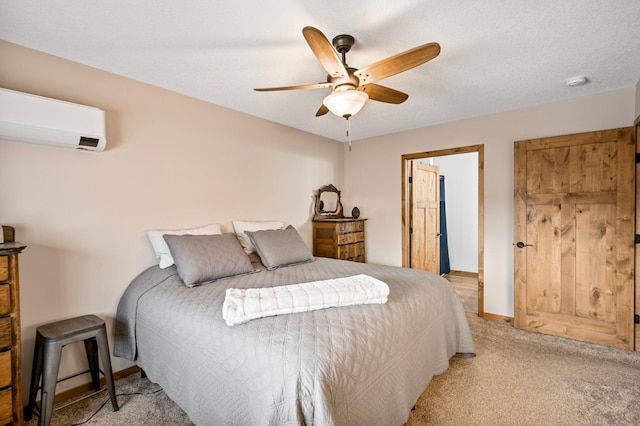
column 69, row 328
column 50, row 339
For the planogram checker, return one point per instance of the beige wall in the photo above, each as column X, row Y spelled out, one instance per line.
column 373, row 172
column 171, row 162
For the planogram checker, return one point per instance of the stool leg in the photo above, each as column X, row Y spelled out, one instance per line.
column 36, row 372
column 103, row 347
column 91, row 348
column 51, row 365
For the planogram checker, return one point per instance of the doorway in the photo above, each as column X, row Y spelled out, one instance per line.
column 411, row 243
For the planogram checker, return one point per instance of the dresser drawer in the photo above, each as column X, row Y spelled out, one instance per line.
column 354, row 237
column 5, row 333
column 351, row 251
column 5, row 369
column 4, row 268
column 345, row 252
column 345, row 239
column 346, row 227
column 6, row 407
column 5, row 300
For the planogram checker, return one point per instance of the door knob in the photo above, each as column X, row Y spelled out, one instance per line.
column 520, row 244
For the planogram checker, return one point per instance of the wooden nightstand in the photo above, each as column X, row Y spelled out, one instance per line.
column 10, row 344
column 339, row 239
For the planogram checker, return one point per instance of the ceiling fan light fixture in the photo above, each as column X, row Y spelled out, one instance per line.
column 345, row 103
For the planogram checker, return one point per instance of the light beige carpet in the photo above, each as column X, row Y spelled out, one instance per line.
column 517, row 378
column 524, row 378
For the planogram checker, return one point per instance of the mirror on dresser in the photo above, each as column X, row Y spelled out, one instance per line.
column 328, row 204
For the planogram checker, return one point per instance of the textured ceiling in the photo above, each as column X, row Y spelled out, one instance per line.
column 496, row 55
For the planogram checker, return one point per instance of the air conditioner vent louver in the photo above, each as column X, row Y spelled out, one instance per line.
column 86, row 142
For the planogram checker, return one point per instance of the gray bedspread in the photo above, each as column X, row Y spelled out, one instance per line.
column 356, row 365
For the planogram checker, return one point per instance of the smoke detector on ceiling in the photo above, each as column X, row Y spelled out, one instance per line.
column 576, row 81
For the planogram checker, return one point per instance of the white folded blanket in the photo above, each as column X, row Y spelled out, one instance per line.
column 243, row 305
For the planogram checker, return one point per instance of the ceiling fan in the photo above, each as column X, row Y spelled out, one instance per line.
column 351, row 87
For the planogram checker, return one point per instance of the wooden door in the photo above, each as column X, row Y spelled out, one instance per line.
column 574, row 231
column 425, row 217
column 637, row 277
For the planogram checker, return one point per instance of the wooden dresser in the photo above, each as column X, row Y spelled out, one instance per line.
column 339, row 239
column 10, row 344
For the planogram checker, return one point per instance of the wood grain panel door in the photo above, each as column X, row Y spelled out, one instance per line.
column 637, row 231
column 574, row 230
column 425, row 217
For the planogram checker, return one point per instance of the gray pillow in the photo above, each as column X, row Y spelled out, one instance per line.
column 201, row 258
column 280, row 247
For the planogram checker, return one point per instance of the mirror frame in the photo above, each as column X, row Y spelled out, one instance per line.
column 320, row 213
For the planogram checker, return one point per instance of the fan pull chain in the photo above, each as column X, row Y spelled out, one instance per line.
column 347, row 116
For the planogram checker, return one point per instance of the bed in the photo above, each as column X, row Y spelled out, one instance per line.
column 361, row 364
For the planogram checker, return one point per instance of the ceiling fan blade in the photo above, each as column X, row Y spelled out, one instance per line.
column 322, row 110
column 398, row 63
column 383, row 94
column 299, row 87
column 325, row 52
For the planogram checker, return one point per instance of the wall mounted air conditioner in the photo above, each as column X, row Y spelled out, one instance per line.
column 35, row 119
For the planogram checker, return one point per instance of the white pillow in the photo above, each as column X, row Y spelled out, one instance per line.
column 239, row 226
column 161, row 248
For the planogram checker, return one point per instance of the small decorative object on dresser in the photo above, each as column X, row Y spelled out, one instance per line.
column 355, row 212
column 10, row 344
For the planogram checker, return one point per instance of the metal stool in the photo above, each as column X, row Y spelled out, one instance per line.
column 50, row 339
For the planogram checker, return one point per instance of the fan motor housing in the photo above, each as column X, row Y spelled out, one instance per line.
column 343, row 43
